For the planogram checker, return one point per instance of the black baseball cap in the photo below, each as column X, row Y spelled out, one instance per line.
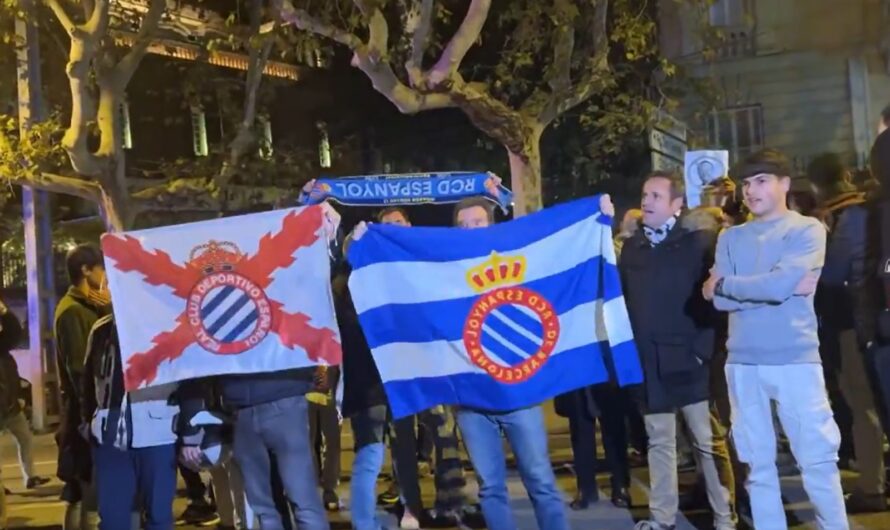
column 766, row 161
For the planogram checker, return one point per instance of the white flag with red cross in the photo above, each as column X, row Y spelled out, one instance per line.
column 238, row 295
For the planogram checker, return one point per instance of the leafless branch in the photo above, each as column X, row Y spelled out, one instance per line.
column 85, row 189
column 464, row 38
column 62, row 16
column 125, row 69
column 302, row 20
column 418, row 23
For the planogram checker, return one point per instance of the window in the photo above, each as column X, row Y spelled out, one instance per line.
column 730, row 13
column 265, row 129
column 199, row 131
column 324, row 146
column 738, row 130
column 124, row 121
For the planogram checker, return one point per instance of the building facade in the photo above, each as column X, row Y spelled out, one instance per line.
column 803, row 76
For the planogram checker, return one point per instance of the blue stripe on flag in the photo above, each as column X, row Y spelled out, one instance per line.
column 242, row 326
column 454, row 245
column 510, row 357
column 229, row 313
column 521, row 318
column 510, row 335
column 392, row 323
column 567, row 371
column 217, row 299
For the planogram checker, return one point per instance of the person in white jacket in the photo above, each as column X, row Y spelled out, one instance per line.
column 133, row 438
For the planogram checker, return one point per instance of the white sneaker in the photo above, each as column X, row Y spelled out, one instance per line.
column 409, row 522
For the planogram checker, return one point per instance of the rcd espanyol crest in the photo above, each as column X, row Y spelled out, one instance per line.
column 511, row 330
column 227, row 312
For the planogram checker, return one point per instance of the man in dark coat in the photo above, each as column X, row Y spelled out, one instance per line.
column 85, row 302
column 663, row 268
column 846, row 213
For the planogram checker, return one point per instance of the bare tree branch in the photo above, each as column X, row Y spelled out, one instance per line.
column 406, row 99
column 490, row 114
column 596, row 69
column 97, row 23
column 62, row 16
column 85, row 189
column 563, row 46
column 545, row 105
column 418, row 23
column 378, row 36
column 464, row 38
column 257, row 59
column 125, row 69
column 302, row 20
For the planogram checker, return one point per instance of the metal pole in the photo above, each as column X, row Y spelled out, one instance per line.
column 38, row 234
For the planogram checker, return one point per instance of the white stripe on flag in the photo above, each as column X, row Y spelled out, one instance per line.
column 504, row 342
column 516, row 327
column 400, row 360
column 574, row 245
column 236, row 320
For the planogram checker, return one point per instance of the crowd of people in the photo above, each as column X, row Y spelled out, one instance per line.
column 759, row 322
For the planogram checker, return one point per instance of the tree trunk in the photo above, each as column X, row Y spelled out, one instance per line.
column 525, row 176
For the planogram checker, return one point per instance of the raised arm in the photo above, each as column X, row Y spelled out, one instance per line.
column 804, row 254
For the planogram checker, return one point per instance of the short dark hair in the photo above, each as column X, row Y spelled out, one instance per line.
column 767, row 161
column 885, row 115
column 678, row 186
column 473, row 202
column 84, row 255
column 391, row 210
column 826, row 171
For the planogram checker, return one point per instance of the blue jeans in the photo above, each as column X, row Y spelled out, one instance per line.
column 279, row 429
column 368, row 427
column 122, row 477
column 527, row 435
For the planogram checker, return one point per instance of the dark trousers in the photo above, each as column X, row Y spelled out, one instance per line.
column 582, row 429
column 324, row 434
column 123, row 478
column 195, row 489
column 403, row 444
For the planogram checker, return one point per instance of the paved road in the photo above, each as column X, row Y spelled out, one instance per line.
column 41, row 509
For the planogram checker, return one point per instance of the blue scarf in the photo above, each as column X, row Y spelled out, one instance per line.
column 408, row 189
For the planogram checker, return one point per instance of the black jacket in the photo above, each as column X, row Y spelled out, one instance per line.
column 10, row 385
column 846, row 266
column 362, row 386
column 674, row 327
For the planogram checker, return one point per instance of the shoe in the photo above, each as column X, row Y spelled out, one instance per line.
column 389, row 497
column 331, row 501
column 582, row 501
column 198, row 515
column 652, row 525
column 409, row 522
column 861, row 503
column 621, row 498
column 36, row 482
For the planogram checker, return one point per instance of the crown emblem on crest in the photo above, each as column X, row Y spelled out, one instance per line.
column 497, row 271
column 215, row 256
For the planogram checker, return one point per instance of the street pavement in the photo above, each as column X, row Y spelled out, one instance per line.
column 41, row 509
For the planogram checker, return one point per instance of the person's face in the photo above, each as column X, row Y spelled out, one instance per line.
column 657, row 204
column 95, row 277
column 395, row 218
column 765, row 194
column 473, row 217
column 882, row 126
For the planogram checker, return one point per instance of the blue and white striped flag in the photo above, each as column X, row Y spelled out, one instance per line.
column 497, row 318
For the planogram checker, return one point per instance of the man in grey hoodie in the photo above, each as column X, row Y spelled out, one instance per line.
column 765, row 275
